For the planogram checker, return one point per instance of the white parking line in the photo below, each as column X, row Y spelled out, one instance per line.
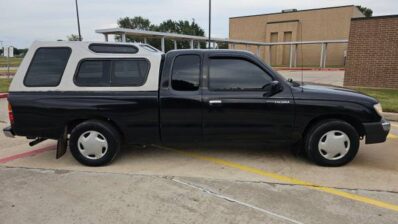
column 236, row 201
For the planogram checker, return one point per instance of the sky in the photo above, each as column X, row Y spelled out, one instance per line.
column 23, row 21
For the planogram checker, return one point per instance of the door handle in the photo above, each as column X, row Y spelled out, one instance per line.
column 215, row 102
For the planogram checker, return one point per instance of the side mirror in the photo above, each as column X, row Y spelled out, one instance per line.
column 272, row 88
column 276, row 87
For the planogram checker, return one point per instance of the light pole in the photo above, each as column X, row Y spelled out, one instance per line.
column 209, row 24
column 78, row 20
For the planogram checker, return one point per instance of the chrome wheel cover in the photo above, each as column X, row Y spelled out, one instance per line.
column 334, row 145
column 92, row 145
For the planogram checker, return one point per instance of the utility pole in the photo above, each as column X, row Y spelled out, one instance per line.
column 209, row 24
column 78, row 20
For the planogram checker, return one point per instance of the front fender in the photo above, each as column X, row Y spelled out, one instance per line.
column 308, row 111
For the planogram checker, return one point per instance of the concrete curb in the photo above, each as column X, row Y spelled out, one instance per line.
column 308, row 69
column 3, row 95
column 390, row 116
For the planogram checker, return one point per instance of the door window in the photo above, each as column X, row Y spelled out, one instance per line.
column 186, row 73
column 231, row 74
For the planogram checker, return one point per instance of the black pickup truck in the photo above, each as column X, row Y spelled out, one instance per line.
column 96, row 96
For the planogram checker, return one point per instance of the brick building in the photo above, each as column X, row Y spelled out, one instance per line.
column 372, row 57
column 295, row 25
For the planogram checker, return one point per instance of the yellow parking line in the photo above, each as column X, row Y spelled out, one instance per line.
column 394, row 125
column 287, row 179
column 392, row 136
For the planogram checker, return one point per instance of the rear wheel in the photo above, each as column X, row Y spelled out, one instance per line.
column 94, row 143
column 332, row 143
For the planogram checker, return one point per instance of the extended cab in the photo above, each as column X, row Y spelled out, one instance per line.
column 96, row 96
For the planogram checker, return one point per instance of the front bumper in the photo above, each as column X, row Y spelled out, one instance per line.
column 376, row 132
column 8, row 132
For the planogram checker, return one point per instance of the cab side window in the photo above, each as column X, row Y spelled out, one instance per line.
column 229, row 74
column 186, row 73
column 47, row 67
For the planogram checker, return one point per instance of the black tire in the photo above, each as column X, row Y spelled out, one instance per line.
column 318, row 131
column 107, row 131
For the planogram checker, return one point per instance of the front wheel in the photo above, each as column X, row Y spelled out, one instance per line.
column 332, row 143
column 94, row 143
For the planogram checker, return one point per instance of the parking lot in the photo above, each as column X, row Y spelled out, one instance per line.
column 192, row 184
column 332, row 77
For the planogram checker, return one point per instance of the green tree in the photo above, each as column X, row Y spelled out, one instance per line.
column 366, row 11
column 73, row 37
column 20, row 52
column 138, row 23
column 181, row 27
column 169, row 26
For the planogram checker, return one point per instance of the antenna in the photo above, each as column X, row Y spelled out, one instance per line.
column 209, row 24
column 302, row 55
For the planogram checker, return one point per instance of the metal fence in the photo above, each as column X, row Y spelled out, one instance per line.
column 123, row 33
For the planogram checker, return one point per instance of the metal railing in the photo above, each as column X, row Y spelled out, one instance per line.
column 123, row 32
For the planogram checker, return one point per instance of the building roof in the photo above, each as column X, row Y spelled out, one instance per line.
column 376, row 17
column 298, row 11
column 175, row 36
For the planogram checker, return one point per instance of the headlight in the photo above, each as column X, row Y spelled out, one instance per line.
column 378, row 109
